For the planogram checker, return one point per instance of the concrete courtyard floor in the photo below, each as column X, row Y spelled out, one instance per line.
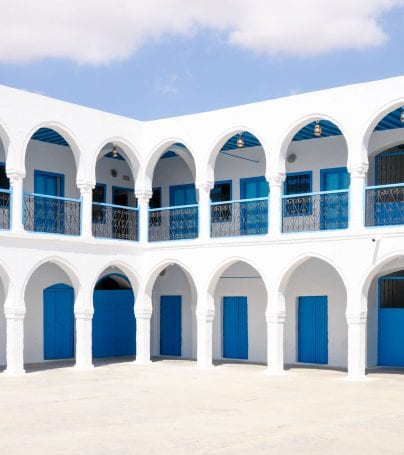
column 172, row 407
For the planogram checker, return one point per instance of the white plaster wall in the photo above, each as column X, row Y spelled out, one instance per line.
column 244, row 281
column 47, row 275
column 175, row 282
column 372, row 323
column 3, row 333
column 312, row 278
column 2, row 153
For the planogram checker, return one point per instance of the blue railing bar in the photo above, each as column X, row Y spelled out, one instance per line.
column 240, row 200
column 377, row 187
column 162, row 209
column 102, row 204
column 320, row 193
column 5, row 191
column 53, row 197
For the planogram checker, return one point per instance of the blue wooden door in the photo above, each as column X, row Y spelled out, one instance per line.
column 253, row 214
column 334, row 207
column 235, row 327
column 49, row 213
column 58, row 322
column 391, row 322
column 183, row 221
column 114, row 324
column 313, row 329
column 170, row 325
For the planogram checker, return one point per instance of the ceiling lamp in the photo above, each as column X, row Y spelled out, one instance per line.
column 240, row 141
column 318, row 131
column 402, row 115
column 114, row 152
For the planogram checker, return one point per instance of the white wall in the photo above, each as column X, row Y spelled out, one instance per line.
column 3, row 334
column 314, row 278
column 175, row 282
column 47, row 275
column 372, row 323
column 241, row 279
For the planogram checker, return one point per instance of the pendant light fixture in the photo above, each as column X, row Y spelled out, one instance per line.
column 318, row 131
column 114, row 152
column 402, row 115
column 240, row 141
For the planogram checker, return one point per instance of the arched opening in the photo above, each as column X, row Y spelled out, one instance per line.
column 114, row 213
column 239, row 198
column 239, row 327
column 173, row 205
column 4, row 190
column 173, row 324
column 114, row 323
column 3, row 326
column 316, row 330
column 317, row 180
column 49, row 332
column 51, row 199
column 385, row 191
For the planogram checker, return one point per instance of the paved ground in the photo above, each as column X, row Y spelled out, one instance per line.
column 172, row 407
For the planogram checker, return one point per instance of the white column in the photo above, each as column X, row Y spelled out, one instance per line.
column 84, row 326
column 204, row 210
column 17, row 200
column 204, row 342
column 275, row 328
column 143, row 198
column 275, row 204
column 356, row 344
column 143, row 318
column 357, row 197
column 86, row 192
column 15, row 340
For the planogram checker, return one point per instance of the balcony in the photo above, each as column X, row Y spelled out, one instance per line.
column 240, row 217
column 115, row 221
column 51, row 214
column 325, row 210
column 174, row 223
column 5, row 196
column 384, row 205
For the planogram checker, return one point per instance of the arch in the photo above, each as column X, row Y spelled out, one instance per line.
column 297, row 125
column 4, row 278
column 221, row 140
column 4, row 137
column 150, row 165
column 130, row 152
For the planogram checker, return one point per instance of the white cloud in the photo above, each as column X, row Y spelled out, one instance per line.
column 101, row 31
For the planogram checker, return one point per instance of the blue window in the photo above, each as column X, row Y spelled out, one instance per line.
column 155, row 203
column 100, row 196
column 334, row 206
column 183, row 221
column 221, row 192
column 298, row 183
column 253, row 214
column 4, row 180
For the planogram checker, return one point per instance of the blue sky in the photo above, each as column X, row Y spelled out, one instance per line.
column 184, row 73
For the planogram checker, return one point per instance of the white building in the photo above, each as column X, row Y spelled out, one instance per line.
column 274, row 232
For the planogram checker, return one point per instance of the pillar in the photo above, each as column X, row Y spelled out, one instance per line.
column 15, row 339
column 357, row 197
column 143, row 198
column 275, row 328
column 275, row 204
column 86, row 192
column 356, row 344
column 17, row 200
column 143, row 318
column 204, row 350
column 83, row 312
column 204, row 210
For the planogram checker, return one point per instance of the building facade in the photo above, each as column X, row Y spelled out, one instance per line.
column 270, row 232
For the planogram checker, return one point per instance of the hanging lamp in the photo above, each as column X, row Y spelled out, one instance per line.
column 240, row 141
column 318, row 131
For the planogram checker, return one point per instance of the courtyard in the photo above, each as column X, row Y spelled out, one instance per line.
column 172, row 407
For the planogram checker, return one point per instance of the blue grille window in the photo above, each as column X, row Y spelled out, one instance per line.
column 298, row 183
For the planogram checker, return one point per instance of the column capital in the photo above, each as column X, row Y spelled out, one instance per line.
column 83, row 313
column 143, row 195
column 143, row 313
column 15, row 175
column 205, row 186
column 14, row 312
column 358, row 170
column 357, row 318
column 205, row 314
column 276, row 179
column 277, row 317
column 86, row 187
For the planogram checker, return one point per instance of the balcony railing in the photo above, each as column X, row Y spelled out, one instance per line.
column 315, row 211
column 241, row 217
column 384, row 205
column 173, row 223
column 115, row 221
column 53, row 214
column 5, row 196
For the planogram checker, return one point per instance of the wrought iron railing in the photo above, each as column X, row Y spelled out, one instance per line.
column 384, row 205
column 173, row 223
column 315, row 211
column 5, row 198
column 115, row 221
column 241, row 217
column 53, row 214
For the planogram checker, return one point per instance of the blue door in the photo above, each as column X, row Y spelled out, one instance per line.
column 313, row 330
column 235, row 328
column 170, row 325
column 49, row 213
column 391, row 322
column 253, row 214
column 114, row 324
column 183, row 221
column 58, row 322
column 334, row 207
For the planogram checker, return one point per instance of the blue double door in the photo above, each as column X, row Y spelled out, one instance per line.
column 170, row 325
column 313, row 329
column 334, row 207
column 184, row 220
column 58, row 322
column 253, row 214
column 114, row 323
column 235, row 327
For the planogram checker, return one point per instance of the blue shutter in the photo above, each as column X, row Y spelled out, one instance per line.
column 170, row 325
column 235, row 328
